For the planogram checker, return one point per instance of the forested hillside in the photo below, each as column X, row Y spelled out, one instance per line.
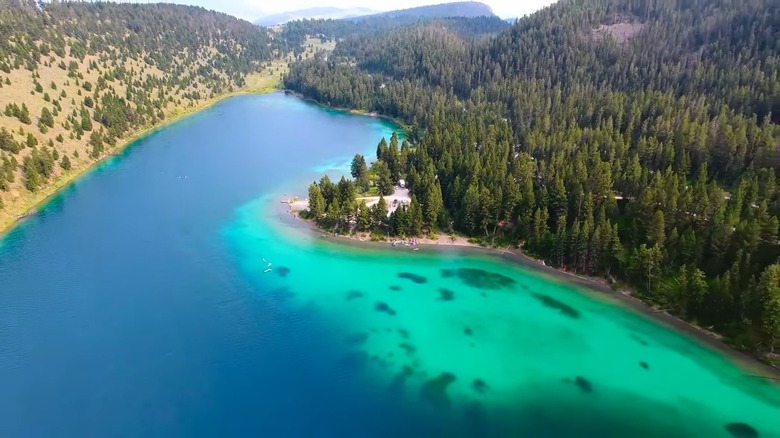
column 321, row 12
column 449, row 9
column 469, row 20
column 76, row 78
column 631, row 139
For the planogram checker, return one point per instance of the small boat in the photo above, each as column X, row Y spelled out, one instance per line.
column 416, row 249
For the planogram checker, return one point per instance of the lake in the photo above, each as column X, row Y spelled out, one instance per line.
column 135, row 303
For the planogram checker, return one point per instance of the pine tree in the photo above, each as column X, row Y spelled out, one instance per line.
column 379, row 212
column 32, row 177
column 415, row 218
column 316, row 202
column 359, row 171
column 7, row 142
column 24, row 115
column 46, row 118
column 769, row 291
column 363, row 217
column 31, row 140
column 384, row 179
column 381, row 150
column 433, row 205
column 655, row 233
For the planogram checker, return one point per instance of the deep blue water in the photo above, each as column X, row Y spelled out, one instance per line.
column 122, row 312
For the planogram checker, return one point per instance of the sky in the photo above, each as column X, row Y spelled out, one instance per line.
column 254, row 9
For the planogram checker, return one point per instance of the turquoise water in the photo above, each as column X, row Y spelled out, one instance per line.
column 135, row 304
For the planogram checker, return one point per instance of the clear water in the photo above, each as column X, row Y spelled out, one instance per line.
column 135, row 304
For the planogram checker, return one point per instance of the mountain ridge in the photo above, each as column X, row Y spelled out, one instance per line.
column 323, row 12
column 467, row 9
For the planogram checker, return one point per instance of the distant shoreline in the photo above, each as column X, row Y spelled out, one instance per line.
column 747, row 361
column 44, row 195
column 401, row 124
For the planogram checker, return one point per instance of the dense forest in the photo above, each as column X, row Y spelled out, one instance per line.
column 293, row 34
column 76, row 77
column 631, row 139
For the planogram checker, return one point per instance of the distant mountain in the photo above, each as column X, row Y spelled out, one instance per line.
column 456, row 9
column 313, row 13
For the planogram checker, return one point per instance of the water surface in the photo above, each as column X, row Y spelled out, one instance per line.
column 135, row 304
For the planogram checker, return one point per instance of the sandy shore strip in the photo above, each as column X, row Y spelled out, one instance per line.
column 447, row 243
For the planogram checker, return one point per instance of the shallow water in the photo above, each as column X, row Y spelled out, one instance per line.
column 135, row 303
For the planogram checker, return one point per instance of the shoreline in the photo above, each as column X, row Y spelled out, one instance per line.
column 67, row 178
column 595, row 285
column 400, row 123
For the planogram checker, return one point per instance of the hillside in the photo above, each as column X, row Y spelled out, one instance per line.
column 313, row 13
column 634, row 140
column 78, row 79
column 454, row 9
column 466, row 19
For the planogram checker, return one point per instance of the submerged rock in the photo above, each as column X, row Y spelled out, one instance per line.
column 382, row 362
column 479, row 385
column 419, row 279
column 351, row 295
column 434, row 391
column 356, row 339
column 741, row 430
column 644, row 365
column 447, row 273
column 404, row 333
column 446, row 294
column 408, row 348
column 482, row 279
column 584, row 384
column 381, row 306
column 467, row 331
column 638, row 339
column 282, row 271
column 552, row 303
column 395, row 288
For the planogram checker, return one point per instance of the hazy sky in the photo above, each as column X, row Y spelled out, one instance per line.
column 253, row 9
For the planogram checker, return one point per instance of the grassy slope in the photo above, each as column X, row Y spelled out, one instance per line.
column 19, row 201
